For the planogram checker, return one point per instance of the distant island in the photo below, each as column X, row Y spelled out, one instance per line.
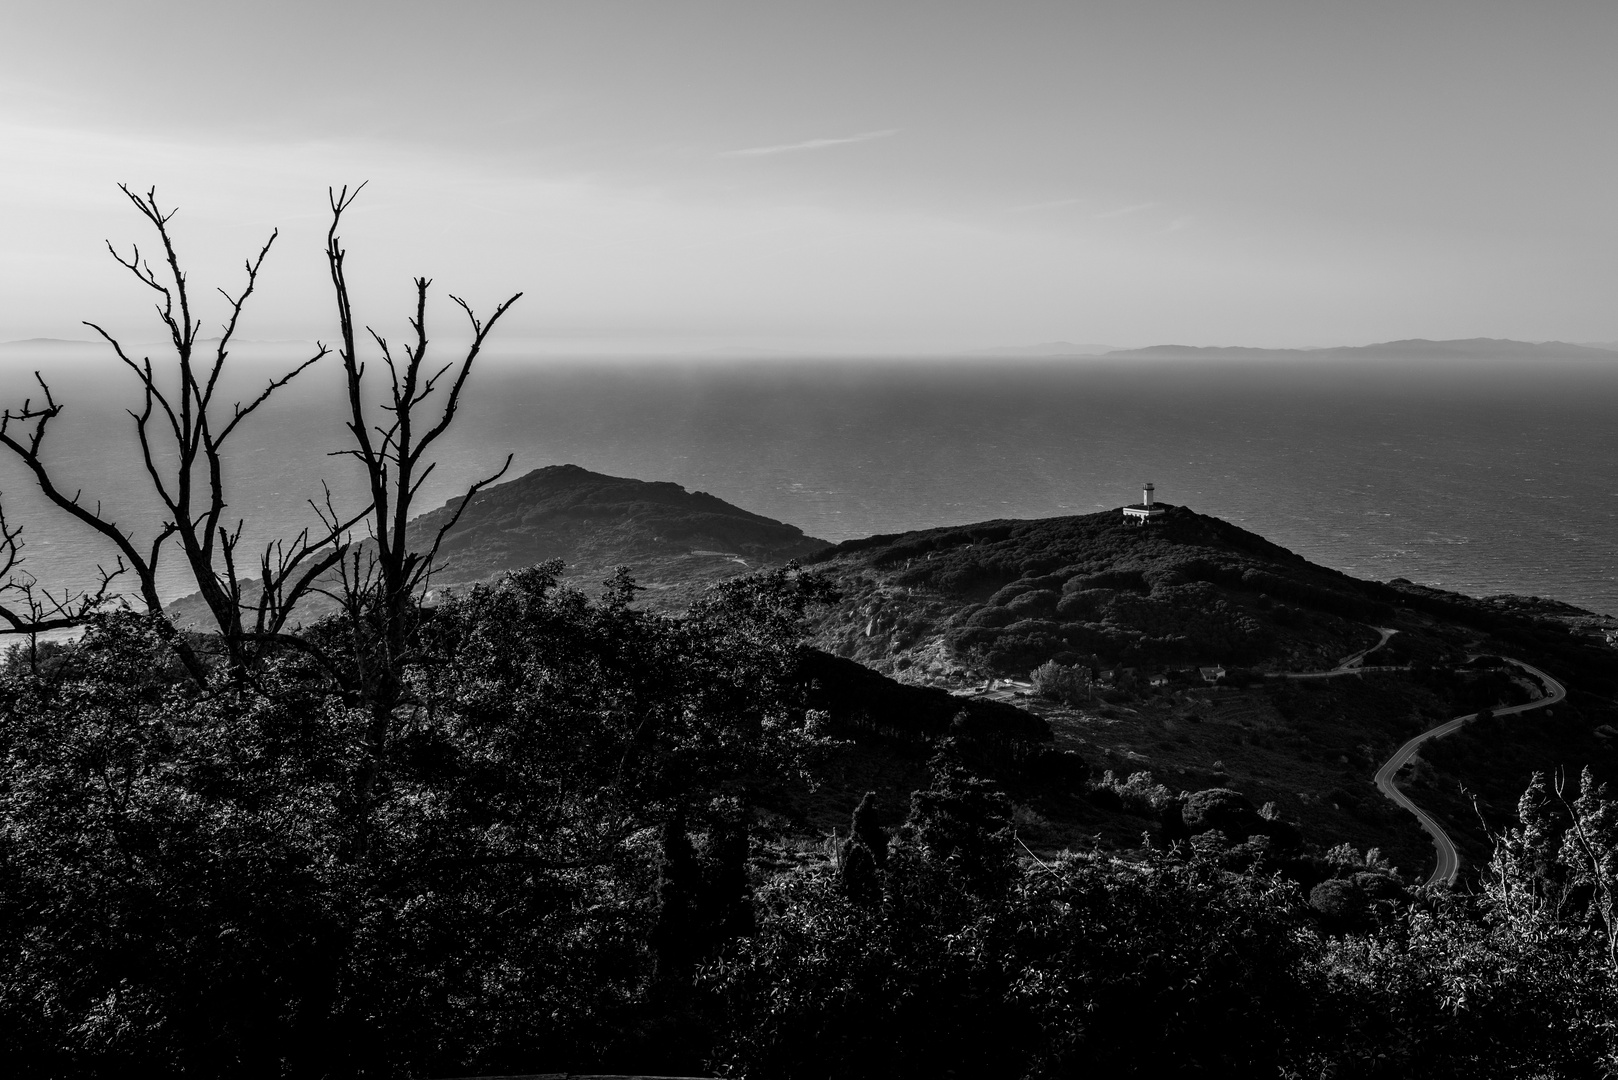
column 1410, row 348
column 1413, row 348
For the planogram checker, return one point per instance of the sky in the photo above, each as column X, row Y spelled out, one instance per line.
column 890, row 176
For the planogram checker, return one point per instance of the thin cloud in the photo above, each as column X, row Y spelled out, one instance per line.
column 1052, row 204
column 810, row 144
column 1124, row 211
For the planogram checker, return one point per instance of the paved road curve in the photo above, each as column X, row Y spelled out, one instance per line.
column 1352, row 664
column 1449, row 860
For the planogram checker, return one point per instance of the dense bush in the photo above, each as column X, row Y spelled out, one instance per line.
column 1060, row 682
column 234, row 883
column 552, row 869
column 1166, row 966
column 1231, row 812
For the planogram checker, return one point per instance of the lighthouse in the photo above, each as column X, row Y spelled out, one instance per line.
column 1146, row 511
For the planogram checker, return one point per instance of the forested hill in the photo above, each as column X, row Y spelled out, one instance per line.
column 1144, row 620
column 1009, row 595
column 594, row 522
column 1005, row 596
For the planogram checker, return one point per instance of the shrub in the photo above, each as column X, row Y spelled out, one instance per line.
column 991, row 617
column 1139, row 794
column 1231, row 812
column 1033, row 604
column 1341, row 902
column 1059, row 682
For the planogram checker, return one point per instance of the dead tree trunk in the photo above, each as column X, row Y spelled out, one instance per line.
column 382, row 588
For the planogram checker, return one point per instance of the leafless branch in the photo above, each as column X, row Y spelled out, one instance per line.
column 430, row 560
column 185, row 469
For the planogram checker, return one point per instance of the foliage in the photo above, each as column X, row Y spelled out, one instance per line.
column 1086, row 965
column 863, row 855
column 1081, row 966
column 1061, row 682
column 1138, row 794
column 1196, row 590
column 191, row 882
column 1229, row 811
column 552, row 871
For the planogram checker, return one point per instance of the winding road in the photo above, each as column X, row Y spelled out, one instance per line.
column 1352, row 664
column 1449, row 860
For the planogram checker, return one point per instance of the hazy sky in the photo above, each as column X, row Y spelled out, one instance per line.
column 825, row 175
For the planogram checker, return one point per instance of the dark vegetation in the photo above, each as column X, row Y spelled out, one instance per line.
column 1008, row 596
column 242, row 881
column 516, row 827
column 563, row 861
column 1018, row 593
column 1129, row 607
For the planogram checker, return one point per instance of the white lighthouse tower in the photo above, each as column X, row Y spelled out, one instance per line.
column 1146, row 511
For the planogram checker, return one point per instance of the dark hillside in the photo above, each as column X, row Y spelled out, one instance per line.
column 888, row 731
column 1005, row 596
column 594, row 522
column 675, row 542
column 1138, row 611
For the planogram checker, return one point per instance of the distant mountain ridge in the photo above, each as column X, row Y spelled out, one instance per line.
column 1461, row 348
column 1409, row 348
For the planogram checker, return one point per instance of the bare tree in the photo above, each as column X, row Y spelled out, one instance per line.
column 182, row 432
column 28, row 607
column 383, row 582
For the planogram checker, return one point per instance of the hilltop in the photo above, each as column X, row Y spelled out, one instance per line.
column 673, row 540
column 1006, row 596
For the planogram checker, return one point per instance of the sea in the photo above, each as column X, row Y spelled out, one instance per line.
column 1479, row 476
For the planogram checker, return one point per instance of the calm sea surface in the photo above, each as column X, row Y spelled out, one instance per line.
column 1482, row 478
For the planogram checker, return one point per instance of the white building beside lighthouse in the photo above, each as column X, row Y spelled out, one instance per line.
column 1144, row 512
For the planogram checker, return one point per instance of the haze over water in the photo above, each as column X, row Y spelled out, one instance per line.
column 1481, row 478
